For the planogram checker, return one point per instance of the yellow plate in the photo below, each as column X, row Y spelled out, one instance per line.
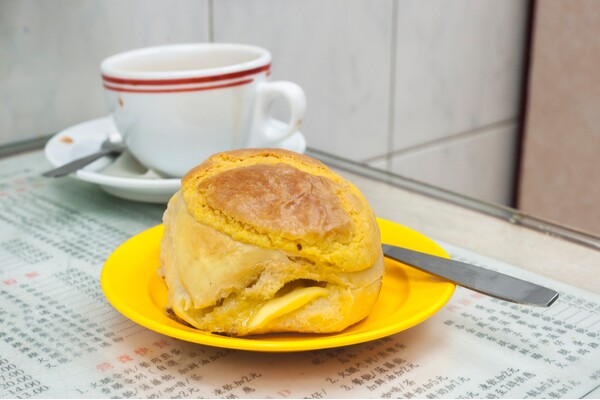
column 408, row 296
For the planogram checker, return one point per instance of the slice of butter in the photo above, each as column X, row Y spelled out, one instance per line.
column 284, row 305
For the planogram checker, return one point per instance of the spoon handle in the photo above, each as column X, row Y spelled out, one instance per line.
column 77, row 164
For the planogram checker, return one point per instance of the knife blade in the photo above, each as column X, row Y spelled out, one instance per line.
column 482, row 280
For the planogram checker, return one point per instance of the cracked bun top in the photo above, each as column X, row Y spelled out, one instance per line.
column 278, row 199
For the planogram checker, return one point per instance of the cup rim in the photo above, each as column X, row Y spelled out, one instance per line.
column 108, row 69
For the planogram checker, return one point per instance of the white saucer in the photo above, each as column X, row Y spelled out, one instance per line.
column 122, row 176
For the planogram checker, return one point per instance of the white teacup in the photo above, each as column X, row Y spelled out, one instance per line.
column 175, row 105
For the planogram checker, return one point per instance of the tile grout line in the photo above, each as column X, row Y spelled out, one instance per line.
column 392, row 86
column 444, row 140
column 211, row 21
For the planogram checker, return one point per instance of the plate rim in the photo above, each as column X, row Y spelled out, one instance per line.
column 254, row 343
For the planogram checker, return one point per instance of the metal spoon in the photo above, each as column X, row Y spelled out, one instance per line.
column 113, row 145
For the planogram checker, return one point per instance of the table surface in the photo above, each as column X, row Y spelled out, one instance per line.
column 60, row 337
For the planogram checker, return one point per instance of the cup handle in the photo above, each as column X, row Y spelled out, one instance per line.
column 268, row 131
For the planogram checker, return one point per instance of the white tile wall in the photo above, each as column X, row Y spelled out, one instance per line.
column 395, row 83
column 337, row 50
column 50, row 52
column 459, row 73
column 385, row 78
column 459, row 66
column 479, row 163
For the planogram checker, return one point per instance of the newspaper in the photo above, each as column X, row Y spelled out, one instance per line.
column 59, row 336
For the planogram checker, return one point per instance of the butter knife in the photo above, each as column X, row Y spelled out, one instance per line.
column 488, row 282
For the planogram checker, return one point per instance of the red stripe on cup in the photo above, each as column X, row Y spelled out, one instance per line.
column 186, row 81
column 175, row 90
